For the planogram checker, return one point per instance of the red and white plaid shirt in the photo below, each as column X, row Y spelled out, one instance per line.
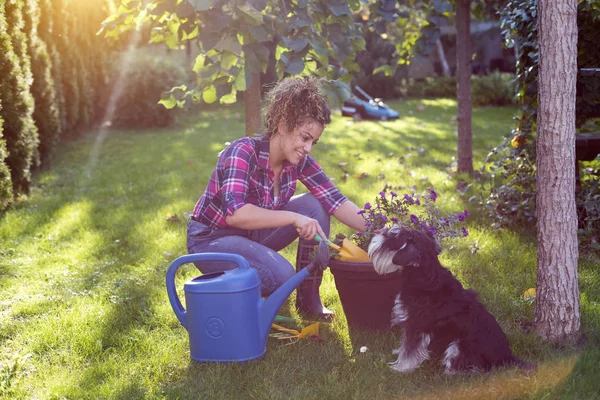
column 243, row 176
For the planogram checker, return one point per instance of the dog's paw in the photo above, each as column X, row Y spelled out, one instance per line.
column 402, row 367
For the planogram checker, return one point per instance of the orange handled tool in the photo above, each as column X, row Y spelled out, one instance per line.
column 348, row 250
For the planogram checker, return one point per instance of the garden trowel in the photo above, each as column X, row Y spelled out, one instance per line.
column 348, row 250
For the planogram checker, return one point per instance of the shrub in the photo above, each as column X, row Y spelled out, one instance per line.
column 144, row 81
column 588, row 206
column 46, row 112
column 430, row 87
column 496, row 89
column 6, row 194
column 19, row 131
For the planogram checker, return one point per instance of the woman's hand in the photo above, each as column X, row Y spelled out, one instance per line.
column 308, row 228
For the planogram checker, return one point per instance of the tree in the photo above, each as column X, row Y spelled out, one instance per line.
column 46, row 112
column 463, row 81
column 19, row 131
column 235, row 37
column 557, row 317
column 419, row 23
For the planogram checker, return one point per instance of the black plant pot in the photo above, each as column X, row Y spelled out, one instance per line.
column 367, row 297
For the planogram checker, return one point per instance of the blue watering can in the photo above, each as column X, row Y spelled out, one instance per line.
column 226, row 318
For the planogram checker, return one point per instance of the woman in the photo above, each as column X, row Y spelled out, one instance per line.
column 249, row 207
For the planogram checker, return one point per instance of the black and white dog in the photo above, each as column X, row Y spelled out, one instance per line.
column 441, row 319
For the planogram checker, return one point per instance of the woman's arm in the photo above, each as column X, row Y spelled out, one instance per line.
column 347, row 214
column 252, row 217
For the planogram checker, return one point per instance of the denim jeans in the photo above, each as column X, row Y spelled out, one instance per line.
column 258, row 247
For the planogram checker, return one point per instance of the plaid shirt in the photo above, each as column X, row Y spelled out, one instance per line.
column 243, row 176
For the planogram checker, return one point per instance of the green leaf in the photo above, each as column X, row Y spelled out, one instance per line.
column 386, row 69
column 229, row 98
column 185, row 10
column 240, row 80
column 354, row 4
column 201, row 5
column 337, row 92
column 295, row 44
column 259, row 33
column 199, row 63
column 339, row 9
column 258, row 4
column 168, row 102
column 228, row 59
column 295, row 65
column 232, row 45
column 250, row 14
column 209, row 95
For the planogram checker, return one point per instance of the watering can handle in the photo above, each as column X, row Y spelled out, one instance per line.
column 190, row 258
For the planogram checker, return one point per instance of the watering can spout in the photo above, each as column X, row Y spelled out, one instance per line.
column 268, row 308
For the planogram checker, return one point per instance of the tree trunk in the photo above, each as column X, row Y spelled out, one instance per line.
column 252, row 105
column 463, row 81
column 557, row 317
column 442, row 56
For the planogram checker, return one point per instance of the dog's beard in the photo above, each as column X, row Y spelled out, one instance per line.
column 381, row 258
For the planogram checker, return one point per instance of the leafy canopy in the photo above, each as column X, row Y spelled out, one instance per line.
column 238, row 38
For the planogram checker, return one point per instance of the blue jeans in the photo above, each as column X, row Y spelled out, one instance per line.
column 258, row 247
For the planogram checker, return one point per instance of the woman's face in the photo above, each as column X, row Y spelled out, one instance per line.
column 300, row 141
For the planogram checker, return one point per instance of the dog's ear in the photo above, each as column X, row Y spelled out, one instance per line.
column 407, row 255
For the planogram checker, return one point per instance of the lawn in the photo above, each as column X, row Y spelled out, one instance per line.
column 84, row 312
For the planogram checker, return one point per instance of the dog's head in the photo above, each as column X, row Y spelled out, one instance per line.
column 401, row 246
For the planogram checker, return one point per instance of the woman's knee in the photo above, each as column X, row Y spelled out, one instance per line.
column 307, row 204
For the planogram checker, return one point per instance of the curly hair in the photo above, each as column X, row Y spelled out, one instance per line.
column 294, row 101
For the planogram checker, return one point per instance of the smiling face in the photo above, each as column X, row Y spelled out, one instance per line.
column 294, row 145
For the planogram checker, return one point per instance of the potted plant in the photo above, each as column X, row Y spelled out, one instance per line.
column 367, row 297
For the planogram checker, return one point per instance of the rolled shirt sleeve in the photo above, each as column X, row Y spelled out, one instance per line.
column 235, row 178
column 312, row 176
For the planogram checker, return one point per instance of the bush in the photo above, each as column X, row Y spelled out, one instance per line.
column 46, row 111
column 6, row 194
column 588, row 206
column 146, row 78
column 496, row 89
column 19, row 130
column 430, row 87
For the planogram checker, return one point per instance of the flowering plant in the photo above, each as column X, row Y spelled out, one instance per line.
column 418, row 211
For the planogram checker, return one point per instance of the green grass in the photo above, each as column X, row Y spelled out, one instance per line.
column 83, row 306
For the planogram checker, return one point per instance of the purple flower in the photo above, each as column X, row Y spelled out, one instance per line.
column 433, row 195
column 424, row 224
column 418, row 202
column 361, row 212
column 383, row 217
column 409, row 199
column 395, row 220
column 461, row 216
column 359, row 233
column 414, row 219
column 467, row 214
column 431, row 230
column 382, row 194
column 465, row 231
column 367, row 224
column 367, row 206
column 394, row 194
column 444, row 220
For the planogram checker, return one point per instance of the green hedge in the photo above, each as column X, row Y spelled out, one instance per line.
column 496, row 89
column 19, row 131
column 146, row 77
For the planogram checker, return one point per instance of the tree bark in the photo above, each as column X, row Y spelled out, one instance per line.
column 463, row 81
column 442, row 56
column 557, row 317
column 252, row 99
